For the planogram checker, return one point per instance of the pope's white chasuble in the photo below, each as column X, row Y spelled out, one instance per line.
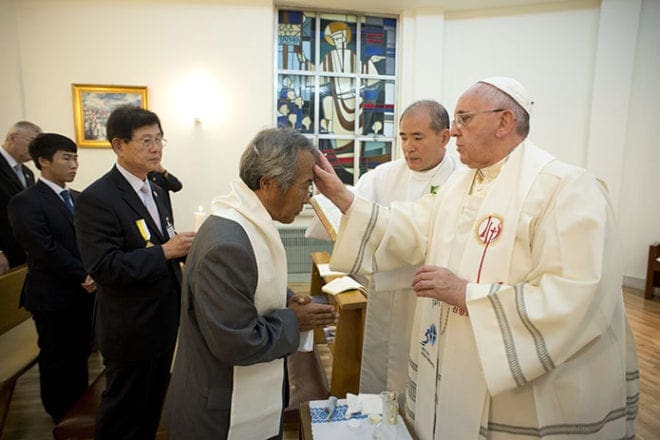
column 541, row 308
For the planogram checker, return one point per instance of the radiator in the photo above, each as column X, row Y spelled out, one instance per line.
column 298, row 249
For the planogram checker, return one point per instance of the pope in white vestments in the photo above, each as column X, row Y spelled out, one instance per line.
column 520, row 330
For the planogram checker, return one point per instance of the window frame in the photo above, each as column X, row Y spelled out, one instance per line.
column 359, row 140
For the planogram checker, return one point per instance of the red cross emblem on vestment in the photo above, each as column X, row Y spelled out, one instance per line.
column 487, row 231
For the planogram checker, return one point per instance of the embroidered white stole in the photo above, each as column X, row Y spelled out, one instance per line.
column 443, row 345
column 256, row 401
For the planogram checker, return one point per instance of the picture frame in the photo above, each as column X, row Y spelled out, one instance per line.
column 92, row 104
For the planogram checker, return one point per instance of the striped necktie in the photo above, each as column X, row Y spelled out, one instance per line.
column 150, row 204
column 67, row 199
column 18, row 169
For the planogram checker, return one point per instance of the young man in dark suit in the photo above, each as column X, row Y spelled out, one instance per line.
column 129, row 246
column 14, row 178
column 57, row 290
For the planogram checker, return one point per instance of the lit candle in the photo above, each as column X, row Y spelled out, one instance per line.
column 198, row 217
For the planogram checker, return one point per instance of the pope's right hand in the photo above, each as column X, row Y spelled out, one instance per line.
column 329, row 184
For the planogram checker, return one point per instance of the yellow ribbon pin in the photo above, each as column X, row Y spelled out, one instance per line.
column 144, row 231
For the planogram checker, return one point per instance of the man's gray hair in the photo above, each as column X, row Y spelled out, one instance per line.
column 273, row 153
column 438, row 114
column 21, row 127
column 504, row 101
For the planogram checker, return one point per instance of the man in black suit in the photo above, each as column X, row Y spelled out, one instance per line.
column 57, row 289
column 129, row 246
column 14, row 178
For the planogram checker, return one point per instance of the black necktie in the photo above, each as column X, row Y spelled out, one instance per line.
column 67, row 199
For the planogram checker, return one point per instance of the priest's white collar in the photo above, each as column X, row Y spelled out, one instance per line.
column 491, row 172
column 424, row 175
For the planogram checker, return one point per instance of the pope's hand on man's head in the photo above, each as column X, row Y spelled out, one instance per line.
column 329, row 184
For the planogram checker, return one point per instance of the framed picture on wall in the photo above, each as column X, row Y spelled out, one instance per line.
column 92, row 104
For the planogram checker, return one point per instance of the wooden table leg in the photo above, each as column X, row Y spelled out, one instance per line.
column 347, row 355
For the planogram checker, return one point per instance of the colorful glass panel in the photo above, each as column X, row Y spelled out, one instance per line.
column 337, row 105
column 296, row 46
column 341, row 155
column 338, row 43
column 346, row 78
column 378, row 45
column 295, row 102
column 377, row 107
column 373, row 154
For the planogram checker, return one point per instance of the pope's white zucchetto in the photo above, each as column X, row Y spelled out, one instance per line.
column 512, row 88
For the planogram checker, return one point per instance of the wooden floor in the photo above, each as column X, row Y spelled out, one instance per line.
column 644, row 318
column 28, row 421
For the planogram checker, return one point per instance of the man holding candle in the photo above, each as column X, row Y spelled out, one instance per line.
column 128, row 245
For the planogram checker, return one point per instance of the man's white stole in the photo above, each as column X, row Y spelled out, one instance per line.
column 443, row 333
column 256, row 401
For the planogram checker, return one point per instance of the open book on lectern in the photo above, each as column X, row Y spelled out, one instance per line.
column 328, row 213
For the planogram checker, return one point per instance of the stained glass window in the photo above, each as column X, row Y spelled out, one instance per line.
column 336, row 82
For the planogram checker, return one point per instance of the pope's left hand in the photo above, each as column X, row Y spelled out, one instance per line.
column 440, row 283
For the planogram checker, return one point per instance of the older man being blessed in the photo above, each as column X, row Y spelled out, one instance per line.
column 238, row 322
column 522, row 330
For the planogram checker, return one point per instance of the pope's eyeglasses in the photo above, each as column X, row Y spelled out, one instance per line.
column 463, row 119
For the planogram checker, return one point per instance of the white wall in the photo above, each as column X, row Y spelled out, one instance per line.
column 639, row 200
column 11, row 99
column 171, row 47
column 420, row 76
column 549, row 49
column 226, row 48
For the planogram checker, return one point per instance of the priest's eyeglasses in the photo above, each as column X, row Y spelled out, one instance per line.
column 463, row 119
column 150, row 142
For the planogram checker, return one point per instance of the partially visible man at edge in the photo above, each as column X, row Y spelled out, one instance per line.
column 237, row 325
column 424, row 133
column 129, row 247
column 14, row 178
column 522, row 327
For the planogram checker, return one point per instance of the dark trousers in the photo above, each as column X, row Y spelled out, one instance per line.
column 64, row 347
column 133, row 398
